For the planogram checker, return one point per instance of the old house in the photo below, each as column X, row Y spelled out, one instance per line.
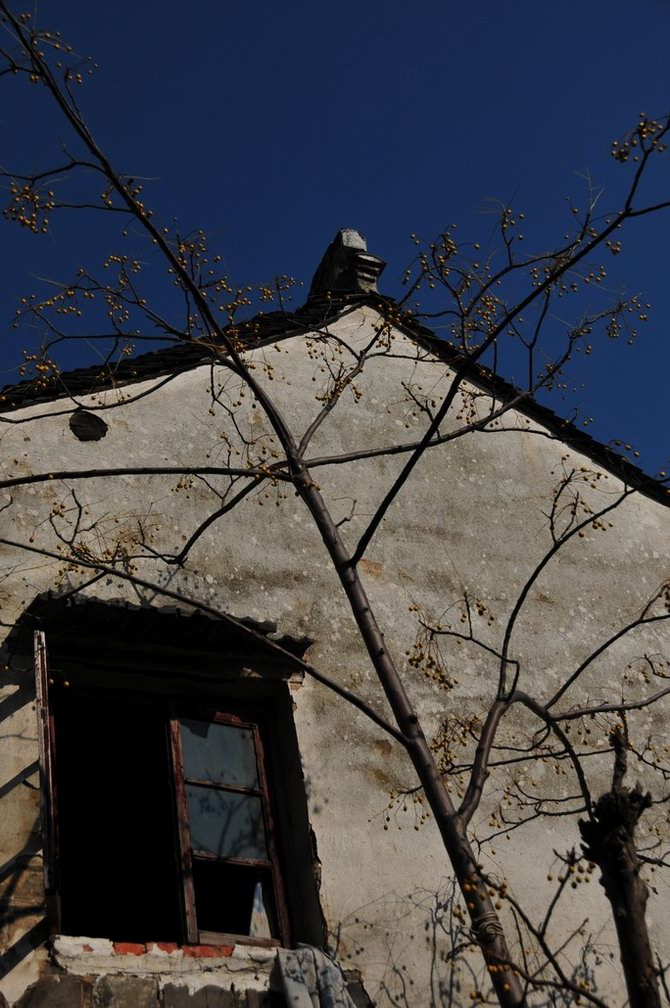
column 180, row 796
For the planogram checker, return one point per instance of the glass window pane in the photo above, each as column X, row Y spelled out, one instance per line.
column 221, row 753
column 226, row 824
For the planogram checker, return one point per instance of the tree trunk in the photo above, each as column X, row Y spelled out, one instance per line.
column 486, row 924
column 609, row 841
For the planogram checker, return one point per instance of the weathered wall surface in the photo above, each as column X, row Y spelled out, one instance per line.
column 472, row 519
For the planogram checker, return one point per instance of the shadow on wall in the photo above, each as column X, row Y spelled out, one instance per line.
column 420, row 950
column 22, row 912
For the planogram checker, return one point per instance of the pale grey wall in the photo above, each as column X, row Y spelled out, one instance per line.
column 472, row 518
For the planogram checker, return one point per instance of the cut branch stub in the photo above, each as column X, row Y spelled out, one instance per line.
column 608, row 839
column 615, row 817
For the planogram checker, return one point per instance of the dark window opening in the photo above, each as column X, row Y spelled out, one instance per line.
column 115, row 821
column 225, row 896
column 164, row 824
column 173, row 796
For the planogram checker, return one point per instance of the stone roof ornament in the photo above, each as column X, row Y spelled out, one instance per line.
column 347, row 267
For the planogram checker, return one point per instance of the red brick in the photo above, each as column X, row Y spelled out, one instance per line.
column 208, row 951
column 129, row 948
column 200, row 951
column 168, row 947
column 87, row 948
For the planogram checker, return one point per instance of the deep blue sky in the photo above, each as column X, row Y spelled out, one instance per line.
column 271, row 125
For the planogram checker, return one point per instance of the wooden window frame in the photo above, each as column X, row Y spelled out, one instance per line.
column 48, row 797
column 253, row 721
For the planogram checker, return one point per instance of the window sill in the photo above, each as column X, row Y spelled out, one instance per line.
column 84, row 956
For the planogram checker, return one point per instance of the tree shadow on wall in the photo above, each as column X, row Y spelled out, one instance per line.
column 425, row 953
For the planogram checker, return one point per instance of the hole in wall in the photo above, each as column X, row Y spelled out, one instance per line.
column 87, row 426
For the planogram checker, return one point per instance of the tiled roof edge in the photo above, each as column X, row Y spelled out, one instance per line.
column 168, row 360
column 564, row 430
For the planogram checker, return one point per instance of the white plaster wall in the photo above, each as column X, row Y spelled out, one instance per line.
column 472, row 518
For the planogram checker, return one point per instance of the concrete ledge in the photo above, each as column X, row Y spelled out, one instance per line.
column 243, row 966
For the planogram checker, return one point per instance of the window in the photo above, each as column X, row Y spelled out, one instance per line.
column 231, row 876
column 174, row 805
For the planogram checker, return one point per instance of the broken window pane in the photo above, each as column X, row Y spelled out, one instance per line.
column 220, row 753
column 234, row 899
